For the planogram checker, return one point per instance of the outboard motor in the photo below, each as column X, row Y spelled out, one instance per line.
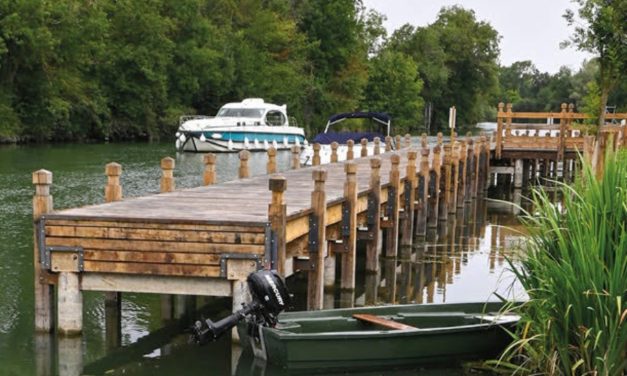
column 269, row 298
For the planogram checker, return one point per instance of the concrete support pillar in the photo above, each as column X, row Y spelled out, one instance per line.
column 518, row 173
column 69, row 304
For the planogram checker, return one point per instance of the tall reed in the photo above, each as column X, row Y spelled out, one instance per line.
column 575, row 272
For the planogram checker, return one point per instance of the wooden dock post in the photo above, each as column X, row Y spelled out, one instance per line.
column 349, row 227
column 434, row 189
column 373, row 244
column 44, row 291
column 445, row 183
column 277, row 217
column 409, row 202
column 350, row 154
column 317, row 241
column 455, row 172
column 499, row 131
column 440, row 139
column 316, row 155
column 407, row 140
column 461, row 180
column 422, row 197
column 470, row 167
column 518, row 173
column 69, row 303
column 364, row 148
column 423, row 141
column 167, row 174
column 334, row 157
column 113, row 300
column 243, row 171
column 209, row 175
column 393, row 207
column 397, row 142
column 377, row 146
column 271, row 165
column 388, row 143
column 295, row 157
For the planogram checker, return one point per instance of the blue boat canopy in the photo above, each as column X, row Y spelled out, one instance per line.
column 342, row 137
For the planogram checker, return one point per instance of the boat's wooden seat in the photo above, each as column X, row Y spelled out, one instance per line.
column 378, row 320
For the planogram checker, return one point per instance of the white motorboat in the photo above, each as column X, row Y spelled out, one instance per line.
column 248, row 125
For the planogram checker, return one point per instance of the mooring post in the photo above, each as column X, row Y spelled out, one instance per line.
column 277, row 218
column 317, row 241
column 349, row 227
column 113, row 300
column 316, row 155
column 44, row 290
column 243, row 172
column 388, row 143
column 373, row 245
column 209, row 174
column 499, row 131
column 461, row 180
column 271, row 165
column 334, row 156
column 377, row 146
column 295, row 157
column 422, row 197
column 407, row 140
column 167, row 174
column 392, row 207
column 445, row 183
column 397, row 142
column 455, row 170
column 364, row 148
column 434, row 188
column 350, row 154
column 409, row 201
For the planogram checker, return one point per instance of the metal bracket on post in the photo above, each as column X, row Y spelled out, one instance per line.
column 370, row 215
column 313, row 233
column 45, row 253
column 224, row 257
column 271, row 247
column 346, row 210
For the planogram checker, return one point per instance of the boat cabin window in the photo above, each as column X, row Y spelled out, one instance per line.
column 274, row 117
column 240, row 112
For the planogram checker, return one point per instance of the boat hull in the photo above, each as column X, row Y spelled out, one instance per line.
column 234, row 141
column 340, row 349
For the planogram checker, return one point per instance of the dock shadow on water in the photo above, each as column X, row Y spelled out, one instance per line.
column 461, row 260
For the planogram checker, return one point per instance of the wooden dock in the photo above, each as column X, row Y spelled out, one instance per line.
column 206, row 240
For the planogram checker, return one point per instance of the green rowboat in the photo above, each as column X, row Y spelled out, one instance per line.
column 381, row 336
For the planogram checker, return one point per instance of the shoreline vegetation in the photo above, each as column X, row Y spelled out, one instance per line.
column 575, row 272
column 121, row 70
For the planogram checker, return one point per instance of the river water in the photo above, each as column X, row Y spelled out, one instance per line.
column 463, row 260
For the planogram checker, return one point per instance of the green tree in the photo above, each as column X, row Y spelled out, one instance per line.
column 394, row 86
column 604, row 35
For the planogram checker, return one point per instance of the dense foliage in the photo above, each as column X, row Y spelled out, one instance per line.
column 126, row 69
column 575, row 272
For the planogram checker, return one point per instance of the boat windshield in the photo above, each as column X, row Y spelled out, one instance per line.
column 240, row 112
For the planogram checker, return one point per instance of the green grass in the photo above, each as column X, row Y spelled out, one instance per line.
column 575, row 272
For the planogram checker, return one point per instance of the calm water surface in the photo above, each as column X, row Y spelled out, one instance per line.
column 463, row 260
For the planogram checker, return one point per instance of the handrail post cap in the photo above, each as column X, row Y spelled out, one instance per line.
column 350, row 167
column 113, row 169
column 277, row 183
column 375, row 163
column 168, row 163
column 42, row 177
column 209, row 158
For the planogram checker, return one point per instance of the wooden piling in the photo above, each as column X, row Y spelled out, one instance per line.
column 209, row 174
column 44, row 291
column 373, row 244
column 440, row 139
column 243, row 171
column 445, row 183
column 409, row 200
column 167, row 174
column 434, row 189
column 499, row 132
column 422, row 197
column 461, row 180
column 388, row 143
column 364, row 147
column 318, row 243
column 455, row 172
column 295, row 157
column 470, row 168
column 113, row 300
column 349, row 152
column 316, row 155
column 349, row 227
column 393, row 207
column 423, row 141
column 278, row 223
column 69, row 304
column 271, row 165
column 377, row 146
column 334, row 156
